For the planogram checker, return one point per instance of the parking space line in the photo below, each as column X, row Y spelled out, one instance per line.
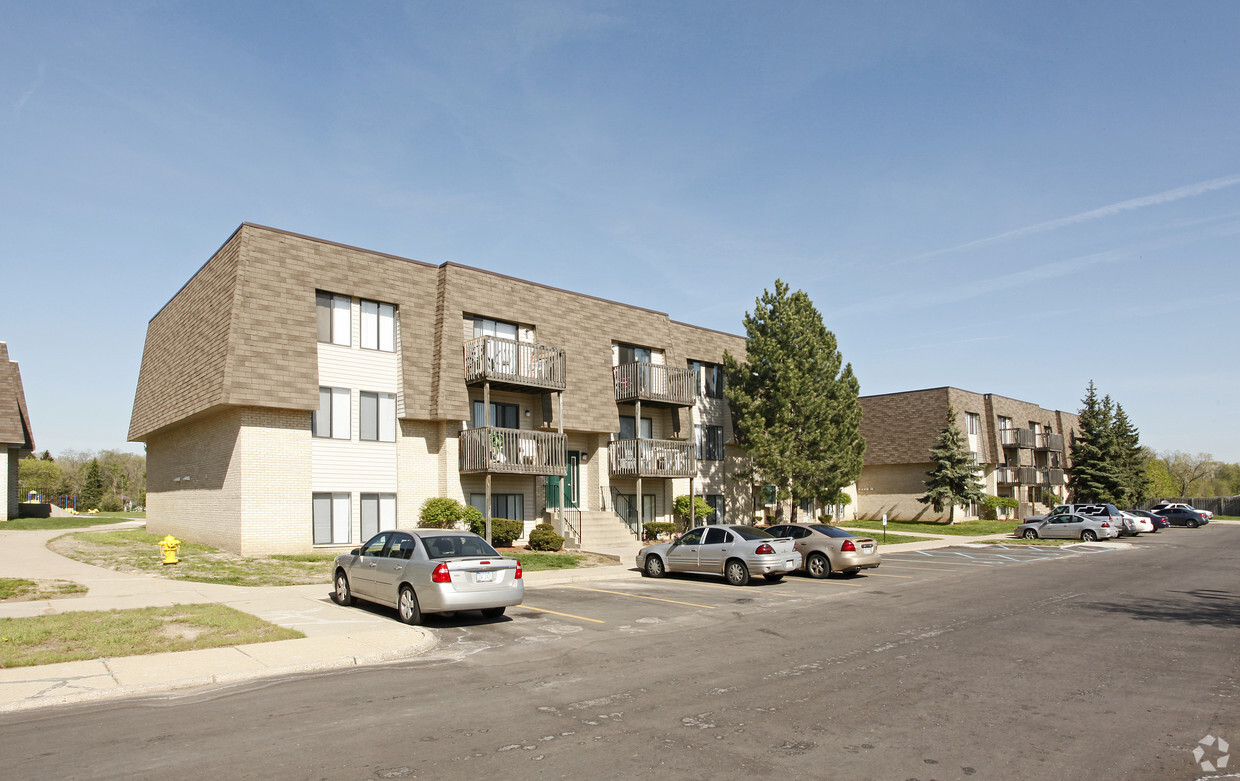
column 639, row 596
column 831, row 581
column 953, row 563
column 885, row 575
column 725, row 588
column 565, row 615
column 927, row 569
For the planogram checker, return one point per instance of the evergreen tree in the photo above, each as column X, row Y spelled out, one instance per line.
column 92, row 489
column 1130, row 459
column 954, row 479
column 1095, row 475
column 794, row 402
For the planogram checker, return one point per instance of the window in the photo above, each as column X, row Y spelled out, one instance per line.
column 508, row 506
column 972, row 422
column 378, row 512
column 332, row 417
column 627, row 430
column 626, row 506
column 377, row 416
column 632, row 354
column 333, row 316
column 717, row 537
column 502, row 415
column 715, row 501
column 485, row 327
column 707, row 379
column 378, row 326
column 708, row 442
column 1004, row 423
column 331, row 519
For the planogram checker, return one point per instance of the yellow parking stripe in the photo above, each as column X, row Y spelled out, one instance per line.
column 639, row 596
column 727, row 588
column 566, row 615
column 881, row 575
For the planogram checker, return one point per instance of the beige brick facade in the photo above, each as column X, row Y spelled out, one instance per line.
column 232, row 366
column 900, row 429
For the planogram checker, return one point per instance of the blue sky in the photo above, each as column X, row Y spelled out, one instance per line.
column 1010, row 199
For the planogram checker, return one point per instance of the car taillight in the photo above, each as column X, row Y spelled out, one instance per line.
column 518, row 576
column 848, row 546
column 441, row 574
column 1104, row 523
column 765, row 548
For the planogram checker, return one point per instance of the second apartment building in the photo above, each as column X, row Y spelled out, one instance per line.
column 297, row 394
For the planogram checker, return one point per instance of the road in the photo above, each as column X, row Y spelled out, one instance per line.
column 1001, row 664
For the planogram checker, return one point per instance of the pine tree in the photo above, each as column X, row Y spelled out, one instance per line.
column 92, row 489
column 794, row 402
column 1094, row 475
column 954, row 479
column 1131, row 460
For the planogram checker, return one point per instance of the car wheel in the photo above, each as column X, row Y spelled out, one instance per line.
column 736, row 572
column 773, row 577
column 492, row 612
column 1191, row 524
column 343, row 595
column 408, row 608
column 818, row 566
column 654, row 567
column 1030, row 534
column 1088, row 535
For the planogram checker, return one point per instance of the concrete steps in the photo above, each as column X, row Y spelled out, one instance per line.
column 603, row 531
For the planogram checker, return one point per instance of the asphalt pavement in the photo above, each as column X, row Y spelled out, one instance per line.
column 336, row 636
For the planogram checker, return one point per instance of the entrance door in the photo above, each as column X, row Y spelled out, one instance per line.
column 572, row 485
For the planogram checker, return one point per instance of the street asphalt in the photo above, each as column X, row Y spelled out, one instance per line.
column 335, row 636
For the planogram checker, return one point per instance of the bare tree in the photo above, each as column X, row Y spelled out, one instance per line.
column 1187, row 469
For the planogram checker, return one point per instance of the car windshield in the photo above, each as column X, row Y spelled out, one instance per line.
column 831, row 531
column 446, row 546
column 751, row 533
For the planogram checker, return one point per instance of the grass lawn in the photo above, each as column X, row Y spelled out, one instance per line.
column 898, row 539
column 535, row 561
column 136, row 550
column 22, row 590
column 68, row 637
column 962, row 529
column 76, row 522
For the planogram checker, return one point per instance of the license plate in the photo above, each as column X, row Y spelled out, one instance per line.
column 484, row 577
column 867, row 548
column 790, row 564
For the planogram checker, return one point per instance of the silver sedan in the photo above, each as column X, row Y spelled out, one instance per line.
column 1069, row 526
column 429, row 571
column 825, row 549
column 735, row 552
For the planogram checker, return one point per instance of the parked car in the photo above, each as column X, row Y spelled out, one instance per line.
column 736, row 552
column 429, row 571
column 1177, row 516
column 1155, row 519
column 1158, row 508
column 1133, row 524
column 825, row 549
column 1068, row 526
column 1108, row 512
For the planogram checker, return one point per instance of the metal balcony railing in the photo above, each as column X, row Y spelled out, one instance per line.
column 511, row 451
column 657, row 383
column 1016, row 437
column 509, row 362
column 651, row 458
column 1049, row 442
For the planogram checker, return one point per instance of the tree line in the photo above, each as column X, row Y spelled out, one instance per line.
column 107, row 480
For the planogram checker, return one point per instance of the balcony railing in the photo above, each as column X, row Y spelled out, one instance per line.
column 1049, row 442
column 511, row 451
column 657, row 383
column 507, row 361
column 651, row 458
column 1016, row 437
column 1055, row 476
column 1006, row 475
column 1017, row 475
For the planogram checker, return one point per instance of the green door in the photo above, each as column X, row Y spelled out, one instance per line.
column 571, row 498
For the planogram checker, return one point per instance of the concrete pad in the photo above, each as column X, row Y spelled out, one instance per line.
column 61, row 671
column 188, row 667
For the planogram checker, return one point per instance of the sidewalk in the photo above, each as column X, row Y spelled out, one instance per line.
column 336, row 636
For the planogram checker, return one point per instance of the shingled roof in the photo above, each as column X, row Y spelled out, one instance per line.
column 14, row 419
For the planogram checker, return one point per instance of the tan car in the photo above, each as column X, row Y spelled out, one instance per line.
column 825, row 549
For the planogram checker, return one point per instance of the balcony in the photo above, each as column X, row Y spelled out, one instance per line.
column 510, row 451
column 513, row 365
column 1055, row 476
column 651, row 458
column 1049, row 442
column 1017, row 475
column 663, row 386
column 1006, row 475
column 1016, row 437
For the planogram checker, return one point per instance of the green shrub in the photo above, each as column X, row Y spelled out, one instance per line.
column 440, row 512
column 503, row 531
column 544, row 538
column 111, row 504
column 991, row 505
column 653, row 529
column 472, row 514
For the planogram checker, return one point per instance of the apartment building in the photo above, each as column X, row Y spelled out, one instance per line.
column 1020, row 450
column 298, row 394
column 16, row 441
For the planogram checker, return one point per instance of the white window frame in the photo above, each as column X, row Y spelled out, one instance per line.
column 331, row 420
column 378, row 326
column 972, row 422
column 383, row 413
column 378, row 513
column 337, row 522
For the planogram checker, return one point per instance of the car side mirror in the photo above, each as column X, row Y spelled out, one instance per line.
column 355, row 552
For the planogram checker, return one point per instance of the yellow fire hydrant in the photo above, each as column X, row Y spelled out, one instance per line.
column 169, row 545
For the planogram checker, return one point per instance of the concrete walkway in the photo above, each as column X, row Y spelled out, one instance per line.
column 335, row 636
